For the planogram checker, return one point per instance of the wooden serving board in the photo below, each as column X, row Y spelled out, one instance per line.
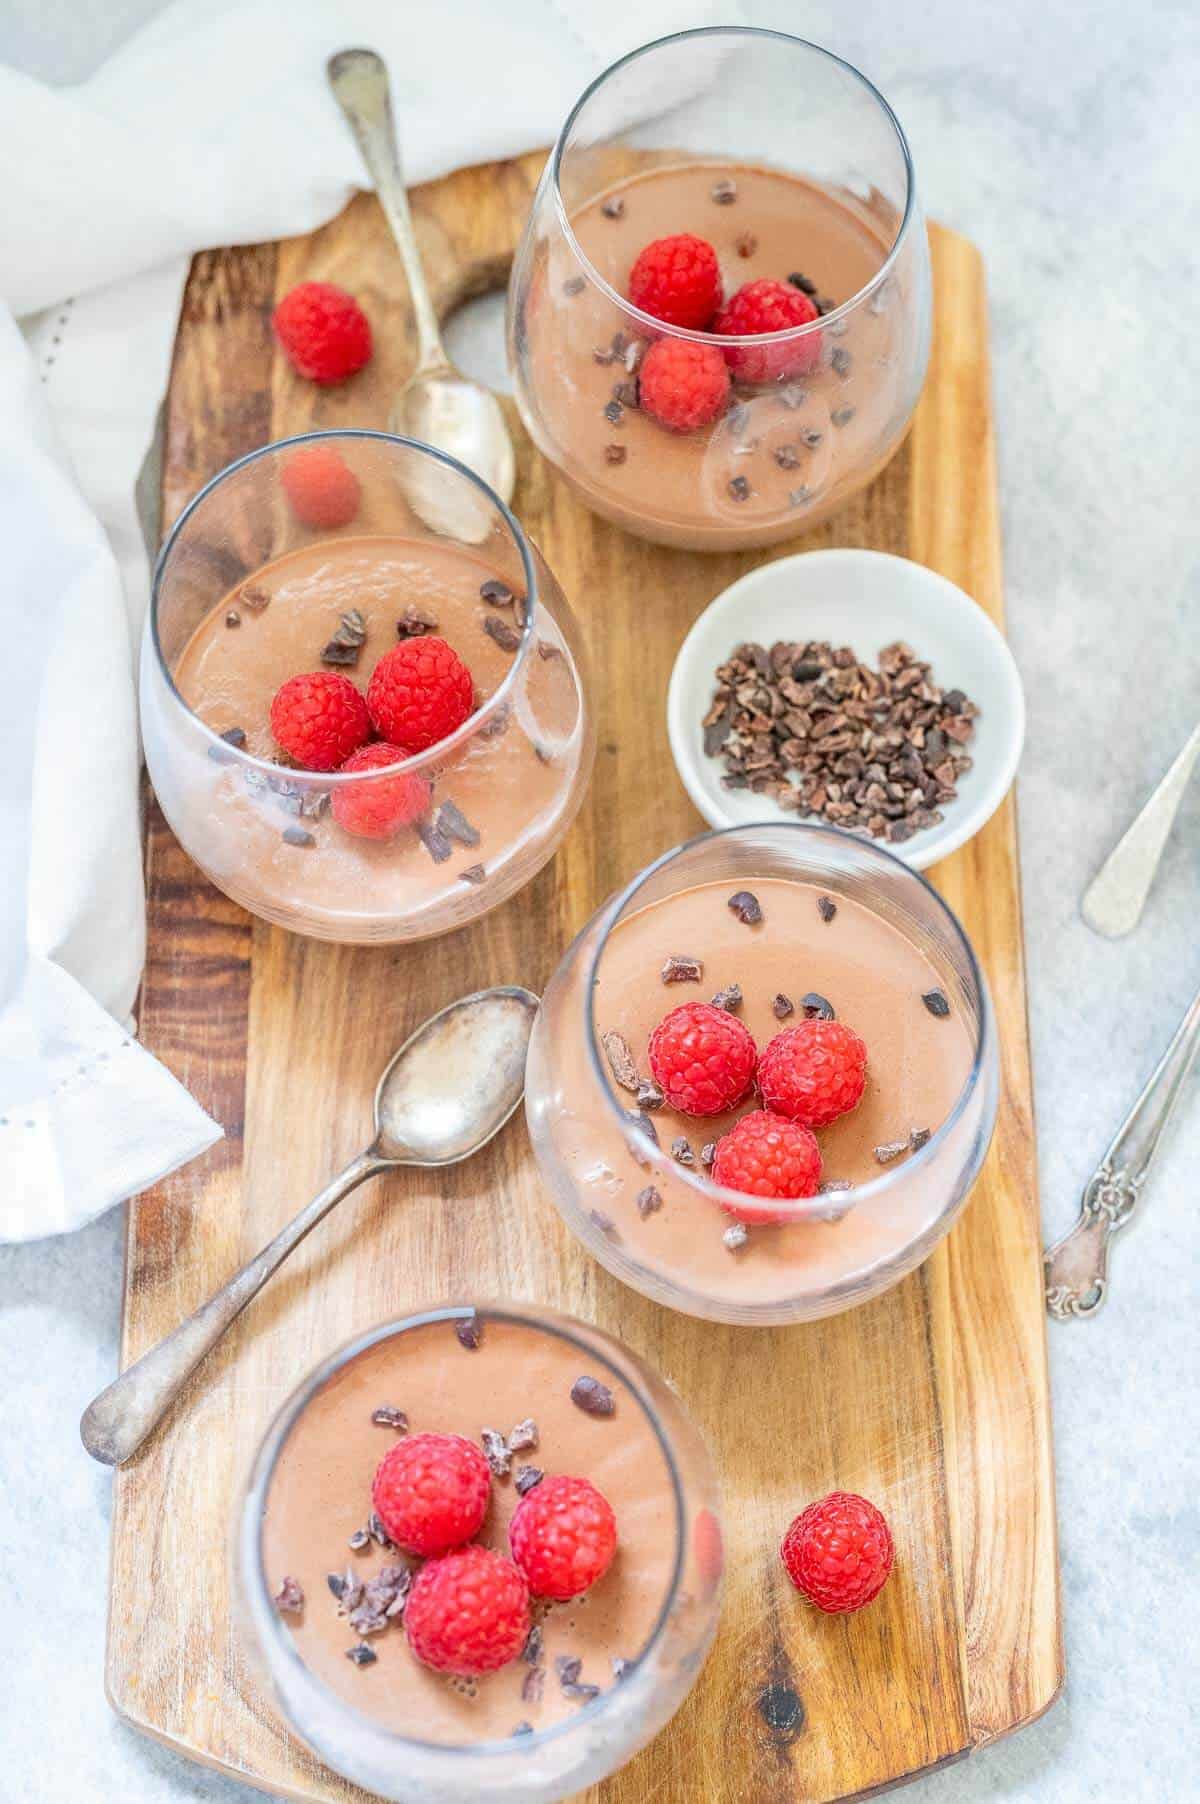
column 932, row 1400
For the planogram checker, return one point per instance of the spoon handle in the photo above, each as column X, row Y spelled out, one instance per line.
column 115, row 1423
column 1076, row 1267
column 1117, row 894
column 359, row 81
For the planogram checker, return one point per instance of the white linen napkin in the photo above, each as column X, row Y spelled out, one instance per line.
column 212, row 126
column 86, row 1116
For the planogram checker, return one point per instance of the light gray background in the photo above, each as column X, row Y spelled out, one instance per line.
column 1063, row 138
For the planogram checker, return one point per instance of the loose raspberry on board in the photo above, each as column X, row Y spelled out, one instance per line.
column 323, row 332
column 839, row 1552
column 322, row 490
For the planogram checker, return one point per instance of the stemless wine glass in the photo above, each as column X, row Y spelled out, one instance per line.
column 661, row 1225
column 324, row 552
column 794, row 167
column 417, row 1737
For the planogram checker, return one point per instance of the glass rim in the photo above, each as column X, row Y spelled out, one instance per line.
column 663, row 329
column 265, row 1617
column 333, row 779
column 806, row 1208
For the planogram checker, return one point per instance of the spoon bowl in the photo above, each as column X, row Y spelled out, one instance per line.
column 456, row 1081
column 466, row 421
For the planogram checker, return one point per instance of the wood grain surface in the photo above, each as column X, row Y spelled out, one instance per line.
column 932, row 1400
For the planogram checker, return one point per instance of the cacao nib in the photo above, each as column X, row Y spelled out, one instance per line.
column 289, row 1599
column 746, row 907
column 680, row 969
column 388, row 1416
column 592, row 1397
column 469, row 1330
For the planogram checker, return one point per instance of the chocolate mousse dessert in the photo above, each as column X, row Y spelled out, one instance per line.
column 469, row 1534
column 353, row 656
column 693, row 440
column 764, row 1051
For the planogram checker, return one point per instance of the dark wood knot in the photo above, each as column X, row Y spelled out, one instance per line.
column 781, row 1710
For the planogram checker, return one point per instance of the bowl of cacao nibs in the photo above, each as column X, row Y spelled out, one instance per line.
column 850, row 688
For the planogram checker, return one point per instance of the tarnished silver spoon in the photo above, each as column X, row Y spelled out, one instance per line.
column 438, row 405
column 446, row 1093
column 1076, row 1266
column 1116, row 896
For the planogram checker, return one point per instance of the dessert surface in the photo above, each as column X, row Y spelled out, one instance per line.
column 778, row 449
column 503, row 782
column 805, row 957
column 320, row 1502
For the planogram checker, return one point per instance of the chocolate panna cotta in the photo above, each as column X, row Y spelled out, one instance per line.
column 765, row 945
column 342, row 1590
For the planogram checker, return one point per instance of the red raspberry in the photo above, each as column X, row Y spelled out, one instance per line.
column 767, row 306
column 839, row 1552
column 677, row 280
column 319, row 719
column 419, row 693
column 324, row 332
column 468, row 1612
column 563, row 1536
column 379, row 810
column 321, row 490
column 431, row 1492
column 702, row 1058
column 683, row 385
column 764, row 1155
column 814, row 1072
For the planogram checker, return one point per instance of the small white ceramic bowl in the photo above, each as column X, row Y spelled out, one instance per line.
column 864, row 599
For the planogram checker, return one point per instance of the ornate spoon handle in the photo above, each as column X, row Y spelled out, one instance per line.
column 1077, row 1266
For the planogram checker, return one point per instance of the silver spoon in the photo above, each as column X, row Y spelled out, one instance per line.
column 1076, row 1267
column 438, row 405
column 1116, row 896
column 446, row 1093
